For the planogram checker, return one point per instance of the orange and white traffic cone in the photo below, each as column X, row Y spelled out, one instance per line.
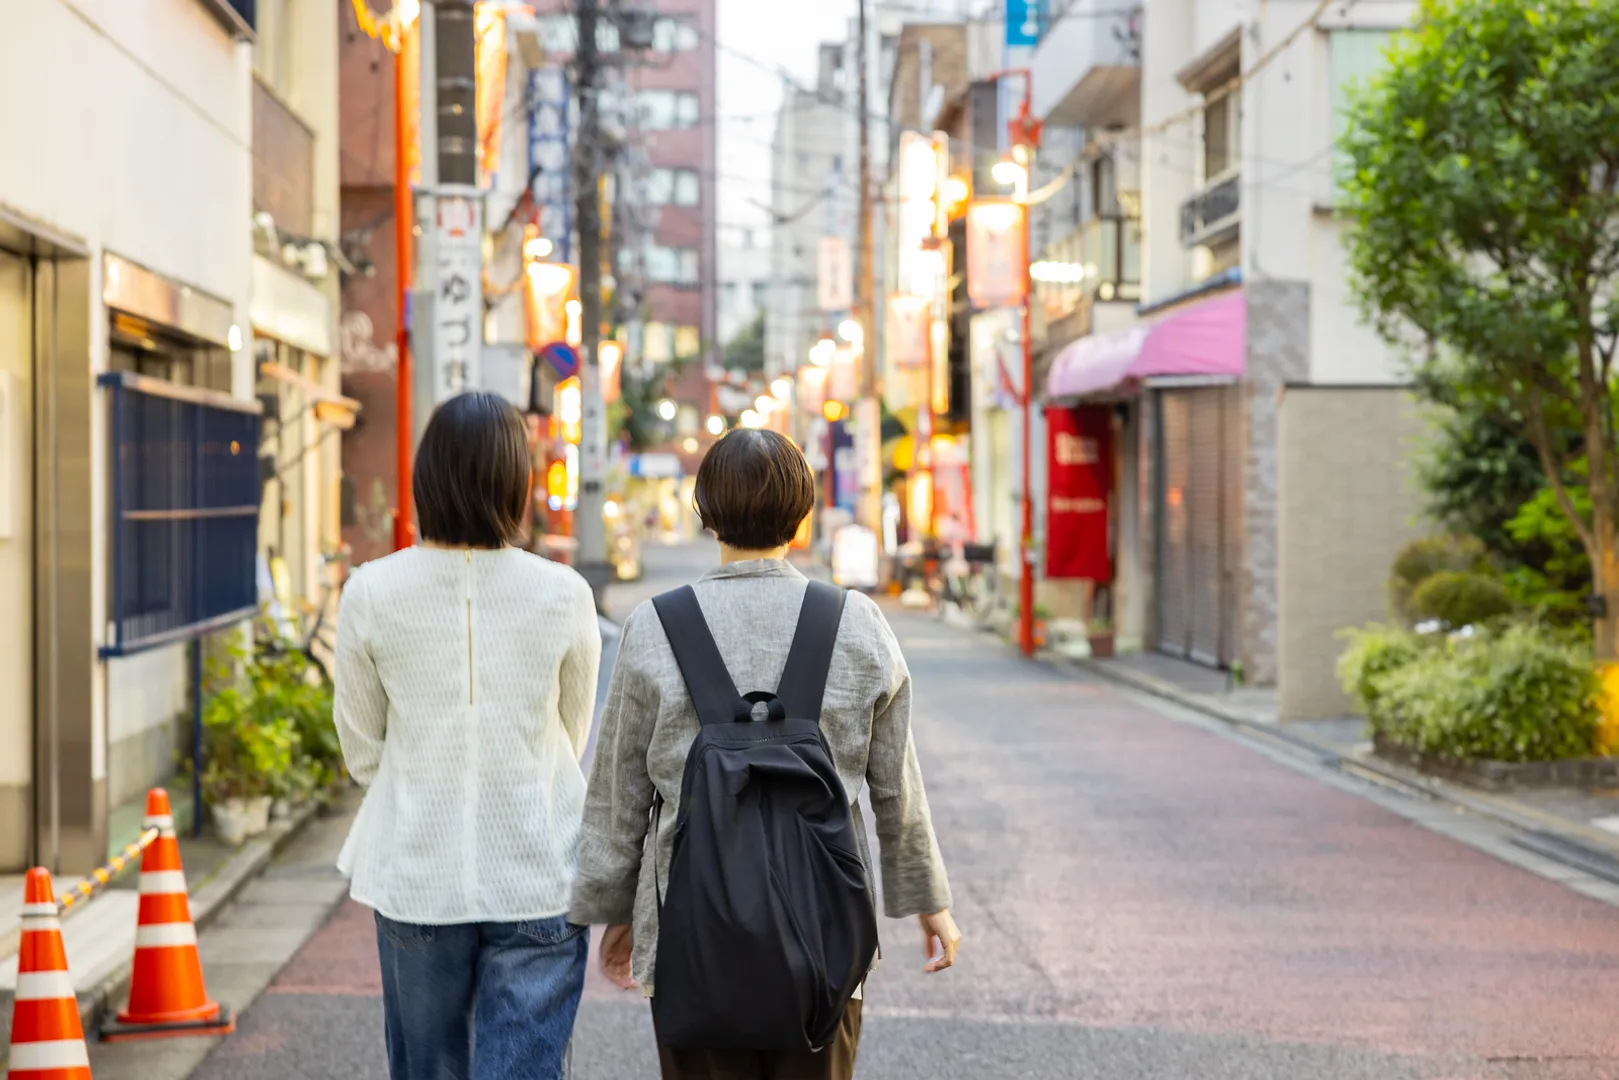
column 166, row 991
column 47, row 1041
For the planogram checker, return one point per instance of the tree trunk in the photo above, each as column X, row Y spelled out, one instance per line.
column 1604, row 579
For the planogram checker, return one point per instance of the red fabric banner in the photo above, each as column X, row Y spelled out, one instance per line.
column 1079, row 472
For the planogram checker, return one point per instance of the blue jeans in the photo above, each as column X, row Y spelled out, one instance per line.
column 483, row 1001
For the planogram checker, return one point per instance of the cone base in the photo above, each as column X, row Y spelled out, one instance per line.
column 216, row 1020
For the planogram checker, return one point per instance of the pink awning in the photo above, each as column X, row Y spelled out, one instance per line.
column 1208, row 338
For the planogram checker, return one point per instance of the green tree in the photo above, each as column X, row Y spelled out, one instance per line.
column 1483, row 199
column 746, row 351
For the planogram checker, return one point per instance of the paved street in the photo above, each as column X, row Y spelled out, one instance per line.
column 1143, row 896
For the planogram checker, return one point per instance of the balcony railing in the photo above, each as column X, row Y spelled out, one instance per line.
column 1214, row 213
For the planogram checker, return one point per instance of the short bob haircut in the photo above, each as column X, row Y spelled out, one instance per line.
column 473, row 473
column 754, row 489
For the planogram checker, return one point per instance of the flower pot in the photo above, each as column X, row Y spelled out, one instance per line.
column 233, row 820
column 258, row 814
column 1101, row 646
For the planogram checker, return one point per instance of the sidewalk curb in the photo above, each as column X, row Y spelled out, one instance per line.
column 1591, row 841
column 208, row 901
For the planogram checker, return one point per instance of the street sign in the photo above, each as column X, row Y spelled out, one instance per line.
column 563, row 358
column 1022, row 23
column 458, row 312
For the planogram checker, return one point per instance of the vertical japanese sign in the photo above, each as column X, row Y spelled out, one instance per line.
column 549, row 156
column 458, row 312
column 834, row 277
column 1079, row 469
column 997, row 253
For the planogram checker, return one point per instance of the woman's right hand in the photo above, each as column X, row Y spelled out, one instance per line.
column 940, row 928
column 618, row 944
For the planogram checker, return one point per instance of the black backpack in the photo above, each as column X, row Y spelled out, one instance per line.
column 767, row 927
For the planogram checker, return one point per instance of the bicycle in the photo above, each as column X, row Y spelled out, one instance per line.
column 968, row 580
column 319, row 645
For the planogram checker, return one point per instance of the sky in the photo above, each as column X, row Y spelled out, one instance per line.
column 756, row 38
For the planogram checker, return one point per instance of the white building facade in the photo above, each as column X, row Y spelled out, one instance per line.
column 1224, row 551
column 125, row 245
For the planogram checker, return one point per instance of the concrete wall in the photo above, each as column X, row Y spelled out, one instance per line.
column 130, row 133
column 16, row 557
column 1347, row 503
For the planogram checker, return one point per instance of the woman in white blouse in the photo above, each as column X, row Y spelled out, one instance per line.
column 466, row 680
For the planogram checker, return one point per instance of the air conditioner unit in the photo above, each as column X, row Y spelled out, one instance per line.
column 1213, row 214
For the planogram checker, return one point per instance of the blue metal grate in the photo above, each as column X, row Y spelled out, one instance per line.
column 185, row 505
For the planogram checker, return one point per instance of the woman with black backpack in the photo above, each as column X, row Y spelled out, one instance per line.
column 744, row 716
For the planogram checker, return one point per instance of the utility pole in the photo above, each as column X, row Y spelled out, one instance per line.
column 404, row 220
column 592, row 551
column 868, row 414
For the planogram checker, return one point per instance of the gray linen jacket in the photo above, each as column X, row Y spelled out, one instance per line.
column 650, row 723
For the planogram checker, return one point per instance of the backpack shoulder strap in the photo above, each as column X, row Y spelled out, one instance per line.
column 803, row 681
column 707, row 680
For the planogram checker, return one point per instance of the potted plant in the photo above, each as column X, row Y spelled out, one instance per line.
column 1100, row 634
column 247, row 761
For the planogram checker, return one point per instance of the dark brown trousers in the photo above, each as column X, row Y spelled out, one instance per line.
column 836, row 1062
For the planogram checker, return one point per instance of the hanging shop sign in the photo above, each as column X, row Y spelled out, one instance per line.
column 922, row 163
column 811, row 393
column 834, row 276
column 489, row 27
column 547, row 289
column 458, row 312
column 1079, row 468
column 843, row 382
column 997, row 253
column 910, row 330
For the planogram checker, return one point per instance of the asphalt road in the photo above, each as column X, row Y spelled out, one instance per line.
column 1144, row 897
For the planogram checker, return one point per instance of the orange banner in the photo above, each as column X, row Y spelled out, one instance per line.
column 490, row 26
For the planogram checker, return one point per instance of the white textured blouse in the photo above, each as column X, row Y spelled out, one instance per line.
column 465, row 685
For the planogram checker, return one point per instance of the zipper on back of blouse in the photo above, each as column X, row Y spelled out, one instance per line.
column 471, row 677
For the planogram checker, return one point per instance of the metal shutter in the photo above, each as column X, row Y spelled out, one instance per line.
column 1173, row 551
column 1236, row 441
column 1205, row 500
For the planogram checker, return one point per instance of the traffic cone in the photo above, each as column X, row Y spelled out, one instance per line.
column 47, row 1042
column 166, row 992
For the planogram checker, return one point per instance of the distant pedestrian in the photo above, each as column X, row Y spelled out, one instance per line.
column 466, row 681
column 709, row 868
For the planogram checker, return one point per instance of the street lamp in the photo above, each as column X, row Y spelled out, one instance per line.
column 1009, row 173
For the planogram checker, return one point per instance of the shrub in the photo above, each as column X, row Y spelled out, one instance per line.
column 1458, row 598
column 1374, row 652
column 1422, row 559
column 1555, row 584
column 1525, row 693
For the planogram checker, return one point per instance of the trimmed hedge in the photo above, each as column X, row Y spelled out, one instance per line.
column 1518, row 694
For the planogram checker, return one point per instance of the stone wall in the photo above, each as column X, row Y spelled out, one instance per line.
column 1278, row 353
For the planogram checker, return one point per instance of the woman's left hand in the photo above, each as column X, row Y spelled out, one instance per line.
column 618, row 943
